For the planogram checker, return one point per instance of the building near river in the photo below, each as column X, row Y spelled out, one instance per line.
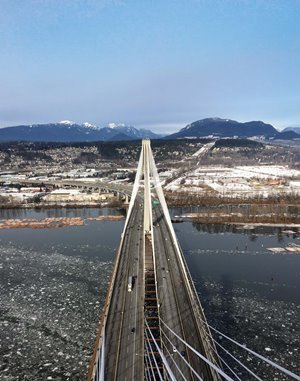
column 74, row 195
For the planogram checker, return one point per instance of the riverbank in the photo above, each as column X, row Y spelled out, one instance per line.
column 277, row 215
column 270, row 219
column 183, row 199
column 59, row 222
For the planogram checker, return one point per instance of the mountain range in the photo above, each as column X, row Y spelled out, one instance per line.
column 295, row 129
column 67, row 131
column 217, row 127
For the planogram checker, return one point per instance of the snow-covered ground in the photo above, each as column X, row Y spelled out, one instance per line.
column 241, row 180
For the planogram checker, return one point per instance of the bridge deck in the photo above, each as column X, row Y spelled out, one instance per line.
column 177, row 310
column 124, row 332
column 167, row 296
column 125, row 324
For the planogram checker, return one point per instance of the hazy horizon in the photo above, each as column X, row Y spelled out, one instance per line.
column 166, row 128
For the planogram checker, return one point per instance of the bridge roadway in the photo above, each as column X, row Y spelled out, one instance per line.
column 179, row 308
column 124, row 331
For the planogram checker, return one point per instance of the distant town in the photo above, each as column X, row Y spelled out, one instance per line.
column 203, row 171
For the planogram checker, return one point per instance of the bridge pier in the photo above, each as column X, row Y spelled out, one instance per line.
column 126, row 201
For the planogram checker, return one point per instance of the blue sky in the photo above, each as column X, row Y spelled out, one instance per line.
column 157, row 64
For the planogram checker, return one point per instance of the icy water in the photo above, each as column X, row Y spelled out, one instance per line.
column 248, row 293
column 53, row 284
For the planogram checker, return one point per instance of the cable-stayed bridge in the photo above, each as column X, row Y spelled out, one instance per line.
column 153, row 326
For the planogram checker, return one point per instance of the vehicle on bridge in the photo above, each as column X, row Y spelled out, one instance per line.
column 130, row 283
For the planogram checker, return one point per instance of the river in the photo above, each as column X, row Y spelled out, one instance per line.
column 53, row 284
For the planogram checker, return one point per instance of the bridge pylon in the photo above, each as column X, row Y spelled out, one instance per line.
column 147, row 194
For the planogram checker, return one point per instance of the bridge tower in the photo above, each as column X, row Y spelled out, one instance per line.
column 147, row 195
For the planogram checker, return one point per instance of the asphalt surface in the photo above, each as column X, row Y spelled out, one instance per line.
column 124, row 353
column 124, row 333
column 177, row 309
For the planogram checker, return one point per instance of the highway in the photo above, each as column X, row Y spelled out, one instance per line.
column 124, row 353
column 177, row 309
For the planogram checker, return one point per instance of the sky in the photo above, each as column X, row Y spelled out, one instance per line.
column 157, row 64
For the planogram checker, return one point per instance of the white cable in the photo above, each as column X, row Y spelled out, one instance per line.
column 225, row 363
column 135, row 189
column 238, row 361
column 212, row 365
column 192, row 369
column 97, row 374
column 150, row 367
column 171, row 356
column 147, row 374
column 227, row 366
column 155, row 362
column 173, row 378
column 153, row 356
column 101, row 377
column 286, row 371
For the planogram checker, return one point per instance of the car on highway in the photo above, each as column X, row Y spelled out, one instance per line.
column 130, row 284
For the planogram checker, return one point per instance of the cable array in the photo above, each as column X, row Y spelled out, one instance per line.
column 219, row 370
column 167, row 366
column 184, row 360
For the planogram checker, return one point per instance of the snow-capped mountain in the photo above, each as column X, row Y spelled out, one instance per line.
column 133, row 132
column 68, row 131
column 115, row 125
column 66, row 122
column 90, row 125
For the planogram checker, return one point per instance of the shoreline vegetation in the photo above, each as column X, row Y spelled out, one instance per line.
column 184, row 199
column 282, row 210
column 242, row 219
